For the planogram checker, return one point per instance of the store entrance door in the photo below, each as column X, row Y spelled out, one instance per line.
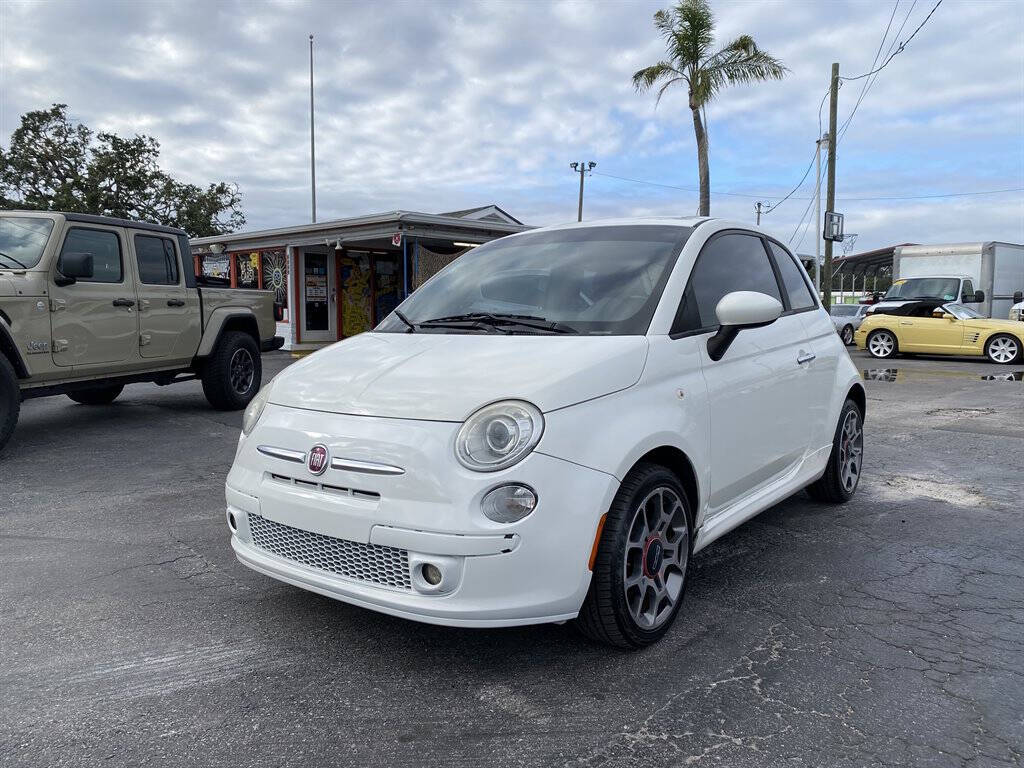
column 319, row 294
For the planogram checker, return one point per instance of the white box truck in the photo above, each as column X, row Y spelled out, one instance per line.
column 987, row 277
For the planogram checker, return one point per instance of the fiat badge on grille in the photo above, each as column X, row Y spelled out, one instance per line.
column 318, row 459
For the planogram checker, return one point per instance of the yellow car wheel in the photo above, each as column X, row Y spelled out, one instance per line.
column 882, row 344
column 1002, row 348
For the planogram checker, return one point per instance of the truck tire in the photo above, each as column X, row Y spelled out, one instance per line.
column 97, row 395
column 233, row 373
column 10, row 401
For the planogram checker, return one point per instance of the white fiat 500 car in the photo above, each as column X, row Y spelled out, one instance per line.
column 550, row 427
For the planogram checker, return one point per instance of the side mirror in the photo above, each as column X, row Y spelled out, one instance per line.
column 1018, row 297
column 739, row 310
column 979, row 296
column 73, row 267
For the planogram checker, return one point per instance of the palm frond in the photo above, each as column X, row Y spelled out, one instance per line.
column 645, row 78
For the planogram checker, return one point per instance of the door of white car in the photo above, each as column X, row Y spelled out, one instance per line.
column 760, row 389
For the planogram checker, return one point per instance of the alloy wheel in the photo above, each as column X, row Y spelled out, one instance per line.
column 882, row 344
column 847, row 335
column 242, row 369
column 657, row 550
column 851, row 449
column 1003, row 349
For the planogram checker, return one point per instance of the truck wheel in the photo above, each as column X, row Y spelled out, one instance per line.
column 97, row 396
column 642, row 563
column 232, row 374
column 10, row 401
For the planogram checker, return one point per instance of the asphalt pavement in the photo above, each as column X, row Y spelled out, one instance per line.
column 889, row 631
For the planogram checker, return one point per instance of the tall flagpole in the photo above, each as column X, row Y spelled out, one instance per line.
column 312, row 135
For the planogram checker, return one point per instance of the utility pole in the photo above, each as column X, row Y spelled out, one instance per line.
column 830, row 193
column 817, row 197
column 757, row 208
column 581, row 168
column 312, row 135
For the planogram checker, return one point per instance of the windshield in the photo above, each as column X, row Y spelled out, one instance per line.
column 960, row 311
column 588, row 281
column 945, row 288
column 22, row 240
column 844, row 310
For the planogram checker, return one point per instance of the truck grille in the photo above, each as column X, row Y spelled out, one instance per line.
column 373, row 563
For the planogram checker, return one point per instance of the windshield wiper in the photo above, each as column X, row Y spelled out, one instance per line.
column 502, row 321
column 11, row 258
column 406, row 320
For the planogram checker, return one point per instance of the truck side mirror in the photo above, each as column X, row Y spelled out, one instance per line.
column 1018, row 297
column 979, row 296
column 73, row 267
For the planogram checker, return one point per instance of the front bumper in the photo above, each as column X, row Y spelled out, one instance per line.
column 364, row 538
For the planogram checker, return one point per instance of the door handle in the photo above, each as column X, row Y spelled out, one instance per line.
column 175, row 303
column 805, row 357
column 123, row 303
column 905, row 322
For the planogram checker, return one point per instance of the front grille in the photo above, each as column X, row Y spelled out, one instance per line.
column 373, row 563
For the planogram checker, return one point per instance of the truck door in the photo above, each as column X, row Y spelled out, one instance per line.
column 168, row 323
column 93, row 320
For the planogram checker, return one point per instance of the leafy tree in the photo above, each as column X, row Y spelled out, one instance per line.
column 53, row 164
column 688, row 30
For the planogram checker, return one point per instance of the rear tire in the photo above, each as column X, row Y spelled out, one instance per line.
column 643, row 561
column 10, row 400
column 1003, row 349
column 847, row 335
column 845, row 462
column 232, row 374
column 882, row 344
column 97, row 396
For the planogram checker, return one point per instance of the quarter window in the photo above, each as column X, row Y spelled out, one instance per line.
column 730, row 262
column 105, row 247
column 158, row 264
column 793, row 279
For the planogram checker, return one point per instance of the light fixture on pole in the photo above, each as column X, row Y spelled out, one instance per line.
column 582, row 168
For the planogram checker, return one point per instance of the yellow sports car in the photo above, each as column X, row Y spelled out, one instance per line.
column 937, row 328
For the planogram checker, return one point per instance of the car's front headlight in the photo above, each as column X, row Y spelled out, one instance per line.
column 499, row 435
column 254, row 409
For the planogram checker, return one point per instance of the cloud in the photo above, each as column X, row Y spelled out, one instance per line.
column 442, row 105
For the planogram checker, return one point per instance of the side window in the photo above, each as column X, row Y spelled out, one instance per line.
column 158, row 264
column 105, row 247
column 968, row 293
column 730, row 262
column 793, row 279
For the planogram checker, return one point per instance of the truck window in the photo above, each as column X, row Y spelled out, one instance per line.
column 968, row 292
column 158, row 264
column 105, row 247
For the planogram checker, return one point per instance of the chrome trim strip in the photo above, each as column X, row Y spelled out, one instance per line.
column 366, row 467
column 282, row 453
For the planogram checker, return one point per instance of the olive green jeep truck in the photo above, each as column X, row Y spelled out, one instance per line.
column 89, row 304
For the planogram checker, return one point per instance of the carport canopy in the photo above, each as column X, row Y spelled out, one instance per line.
column 868, row 263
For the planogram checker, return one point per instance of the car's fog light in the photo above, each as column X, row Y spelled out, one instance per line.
column 509, row 503
column 432, row 574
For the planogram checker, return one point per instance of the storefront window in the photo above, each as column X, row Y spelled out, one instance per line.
column 275, row 275
column 216, row 265
column 248, row 269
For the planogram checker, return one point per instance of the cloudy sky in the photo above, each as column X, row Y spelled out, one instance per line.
column 435, row 106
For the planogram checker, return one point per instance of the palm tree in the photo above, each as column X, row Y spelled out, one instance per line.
column 688, row 30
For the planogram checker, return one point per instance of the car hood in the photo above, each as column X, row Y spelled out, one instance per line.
column 992, row 323
column 445, row 377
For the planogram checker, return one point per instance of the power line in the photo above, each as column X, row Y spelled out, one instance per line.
column 844, row 199
column 867, row 83
column 899, row 50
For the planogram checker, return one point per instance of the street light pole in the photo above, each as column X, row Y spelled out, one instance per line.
column 582, row 169
column 312, row 135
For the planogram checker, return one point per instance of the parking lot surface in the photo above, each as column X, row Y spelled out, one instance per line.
column 889, row 631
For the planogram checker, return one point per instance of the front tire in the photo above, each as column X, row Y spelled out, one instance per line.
column 1003, row 348
column 882, row 344
column 97, row 396
column 643, row 561
column 847, row 335
column 845, row 463
column 10, row 401
column 232, row 374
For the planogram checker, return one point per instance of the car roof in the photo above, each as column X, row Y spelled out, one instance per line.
column 110, row 221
